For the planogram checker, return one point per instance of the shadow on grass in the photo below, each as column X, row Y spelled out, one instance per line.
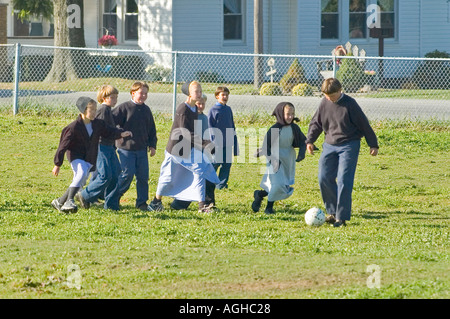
column 376, row 215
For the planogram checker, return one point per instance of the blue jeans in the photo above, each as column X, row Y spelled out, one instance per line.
column 108, row 170
column 133, row 163
column 337, row 166
column 223, row 161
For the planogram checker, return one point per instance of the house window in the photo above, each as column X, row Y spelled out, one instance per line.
column 357, row 19
column 387, row 8
column 330, row 19
column 350, row 18
column 233, row 20
column 110, row 17
column 120, row 18
column 131, row 20
column 35, row 27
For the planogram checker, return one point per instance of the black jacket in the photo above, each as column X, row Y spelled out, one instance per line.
column 182, row 134
column 139, row 120
column 76, row 141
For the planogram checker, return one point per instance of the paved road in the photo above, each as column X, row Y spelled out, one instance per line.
column 375, row 108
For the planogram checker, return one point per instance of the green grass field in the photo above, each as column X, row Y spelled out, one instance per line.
column 400, row 224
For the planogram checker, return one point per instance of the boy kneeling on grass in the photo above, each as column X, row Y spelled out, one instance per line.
column 80, row 140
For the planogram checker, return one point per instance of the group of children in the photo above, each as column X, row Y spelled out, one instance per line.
column 112, row 143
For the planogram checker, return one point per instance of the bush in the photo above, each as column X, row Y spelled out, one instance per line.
column 410, row 86
column 303, row 89
column 158, row 72
column 294, row 76
column 433, row 74
column 209, row 77
column 350, row 74
column 270, row 89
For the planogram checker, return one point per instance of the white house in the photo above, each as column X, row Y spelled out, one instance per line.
column 289, row 26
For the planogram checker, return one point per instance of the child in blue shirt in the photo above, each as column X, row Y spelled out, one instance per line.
column 108, row 165
column 223, row 134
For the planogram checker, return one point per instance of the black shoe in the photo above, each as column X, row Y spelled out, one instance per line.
column 330, row 219
column 269, row 211
column 339, row 223
column 256, row 205
column 142, row 207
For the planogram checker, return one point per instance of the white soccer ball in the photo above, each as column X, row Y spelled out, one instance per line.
column 315, row 217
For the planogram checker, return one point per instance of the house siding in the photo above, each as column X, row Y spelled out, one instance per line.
column 435, row 28
column 421, row 27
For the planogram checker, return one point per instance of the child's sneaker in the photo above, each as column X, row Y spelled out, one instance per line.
column 69, row 207
column 82, row 201
column 155, row 206
column 56, row 204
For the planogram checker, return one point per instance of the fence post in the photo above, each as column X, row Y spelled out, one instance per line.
column 16, row 79
column 334, row 66
column 175, row 80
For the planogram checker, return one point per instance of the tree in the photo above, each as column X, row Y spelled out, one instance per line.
column 69, row 31
column 62, row 67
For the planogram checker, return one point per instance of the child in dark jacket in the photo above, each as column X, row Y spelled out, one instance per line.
column 136, row 116
column 80, row 140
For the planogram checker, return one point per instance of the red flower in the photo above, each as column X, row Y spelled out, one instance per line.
column 107, row 40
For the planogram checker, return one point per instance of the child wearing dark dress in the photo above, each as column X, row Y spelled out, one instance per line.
column 278, row 147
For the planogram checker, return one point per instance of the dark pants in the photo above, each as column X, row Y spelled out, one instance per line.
column 337, row 167
column 133, row 163
column 108, row 170
column 223, row 162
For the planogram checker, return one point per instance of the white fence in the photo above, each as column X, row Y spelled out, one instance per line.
column 49, row 79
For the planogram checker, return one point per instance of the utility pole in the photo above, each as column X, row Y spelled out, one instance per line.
column 258, row 42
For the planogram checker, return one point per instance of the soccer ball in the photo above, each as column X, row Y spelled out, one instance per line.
column 315, row 217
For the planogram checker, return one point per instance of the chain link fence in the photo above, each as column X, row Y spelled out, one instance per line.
column 48, row 80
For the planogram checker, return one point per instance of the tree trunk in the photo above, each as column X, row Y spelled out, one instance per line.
column 258, row 43
column 63, row 67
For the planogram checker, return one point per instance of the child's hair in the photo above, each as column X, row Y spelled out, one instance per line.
column 105, row 91
column 331, row 85
column 204, row 98
column 138, row 85
column 221, row 89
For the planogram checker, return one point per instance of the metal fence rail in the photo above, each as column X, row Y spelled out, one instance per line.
column 50, row 79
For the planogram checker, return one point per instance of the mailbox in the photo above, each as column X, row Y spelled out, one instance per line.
column 381, row 32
